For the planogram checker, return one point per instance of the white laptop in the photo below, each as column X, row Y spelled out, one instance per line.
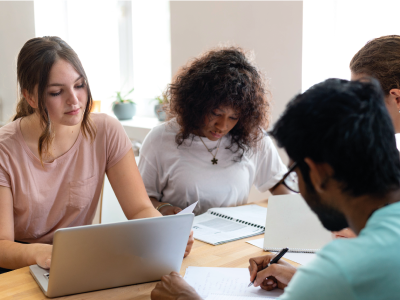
column 95, row 257
column 291, row 223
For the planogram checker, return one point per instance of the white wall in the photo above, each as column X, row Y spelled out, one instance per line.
column 273, row 29
column 17, row 25
column 334, row 31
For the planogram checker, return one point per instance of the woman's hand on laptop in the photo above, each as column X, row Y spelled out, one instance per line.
column 189, row 244
column 43, row 255
column 172, row 287
column 275, row 276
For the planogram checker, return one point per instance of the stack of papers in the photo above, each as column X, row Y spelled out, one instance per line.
column 300, row 258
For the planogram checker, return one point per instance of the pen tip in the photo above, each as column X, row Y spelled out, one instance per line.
column 250, row 284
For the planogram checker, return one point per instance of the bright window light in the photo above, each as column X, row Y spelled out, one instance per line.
column 92, row 29
column 334, row 30
column 151, row 51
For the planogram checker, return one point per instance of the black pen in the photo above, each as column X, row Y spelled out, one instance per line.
column 273, row 261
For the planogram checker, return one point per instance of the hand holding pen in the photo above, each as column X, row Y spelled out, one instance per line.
column 272, row 261
column 268, row 274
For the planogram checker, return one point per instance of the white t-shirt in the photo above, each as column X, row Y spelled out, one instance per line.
column 185, row 174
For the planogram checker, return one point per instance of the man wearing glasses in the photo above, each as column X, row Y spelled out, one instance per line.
column 341, row 144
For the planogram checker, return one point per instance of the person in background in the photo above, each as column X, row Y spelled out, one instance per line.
column 213, row 148
column 380, row 58
column 341, row 139
column 54, row 156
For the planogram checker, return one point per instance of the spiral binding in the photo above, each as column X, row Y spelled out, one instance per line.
column 237, row 220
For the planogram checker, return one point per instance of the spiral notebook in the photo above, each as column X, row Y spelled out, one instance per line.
column 225, row 224
column 291, row 223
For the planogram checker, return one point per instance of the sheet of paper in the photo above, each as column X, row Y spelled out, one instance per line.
column 188, row 210
column 300, row 258
column 249, row 213
column 214, row 230
column 304, row 231
column 230, row 297
column 258, row 243
column 225, row 281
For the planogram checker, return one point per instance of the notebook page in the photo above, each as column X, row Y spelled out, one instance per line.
column 225, row 281
column 188, row 210
column 230, row 297
column 216, row 230
column 249, row 213
column 300, row 258
column 291, row 223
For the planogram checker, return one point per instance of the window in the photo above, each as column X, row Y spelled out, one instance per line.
column 121, row 44
column 334, row 30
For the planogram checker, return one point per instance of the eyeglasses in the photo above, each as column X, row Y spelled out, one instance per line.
column 290, row 180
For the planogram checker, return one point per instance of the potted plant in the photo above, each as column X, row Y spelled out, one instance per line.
column 158, row 108
column 124, row 109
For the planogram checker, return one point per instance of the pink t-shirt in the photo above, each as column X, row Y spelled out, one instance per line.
column 66, row 191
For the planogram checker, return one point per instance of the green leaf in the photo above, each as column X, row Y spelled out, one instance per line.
column 129, row 92
column 120, row 99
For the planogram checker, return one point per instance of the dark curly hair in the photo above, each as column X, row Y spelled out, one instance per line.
column 221, row 77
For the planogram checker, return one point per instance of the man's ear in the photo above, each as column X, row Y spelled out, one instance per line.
column 394, row 95
column 30, row 98
column 320, row 173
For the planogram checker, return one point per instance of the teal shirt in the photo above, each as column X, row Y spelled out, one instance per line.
column 366, row 267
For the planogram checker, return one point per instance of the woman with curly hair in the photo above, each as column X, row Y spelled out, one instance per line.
column 214, row 147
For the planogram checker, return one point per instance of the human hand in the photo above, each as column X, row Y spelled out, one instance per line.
column 43, row 255
column 344, row 233
column 276, row 275
column 189, row 244
column 169, row 210
column 172, row 287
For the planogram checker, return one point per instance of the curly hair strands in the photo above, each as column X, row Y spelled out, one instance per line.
column 221, row 77
column 380, row 58
column 35, row 61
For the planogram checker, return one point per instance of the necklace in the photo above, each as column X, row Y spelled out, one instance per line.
column 214, row 160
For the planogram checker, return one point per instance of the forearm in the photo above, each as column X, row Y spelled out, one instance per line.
column 148, row 212
column 15, row 255
column 281, row 190
column 154, row 201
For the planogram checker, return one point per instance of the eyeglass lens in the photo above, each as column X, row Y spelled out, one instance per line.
column 292, row 182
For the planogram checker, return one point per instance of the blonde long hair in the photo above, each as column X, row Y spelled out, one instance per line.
column 35, row 61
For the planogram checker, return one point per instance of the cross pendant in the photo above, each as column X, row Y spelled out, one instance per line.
column 214, row 161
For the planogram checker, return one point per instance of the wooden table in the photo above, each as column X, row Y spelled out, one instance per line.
column 19, row 284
